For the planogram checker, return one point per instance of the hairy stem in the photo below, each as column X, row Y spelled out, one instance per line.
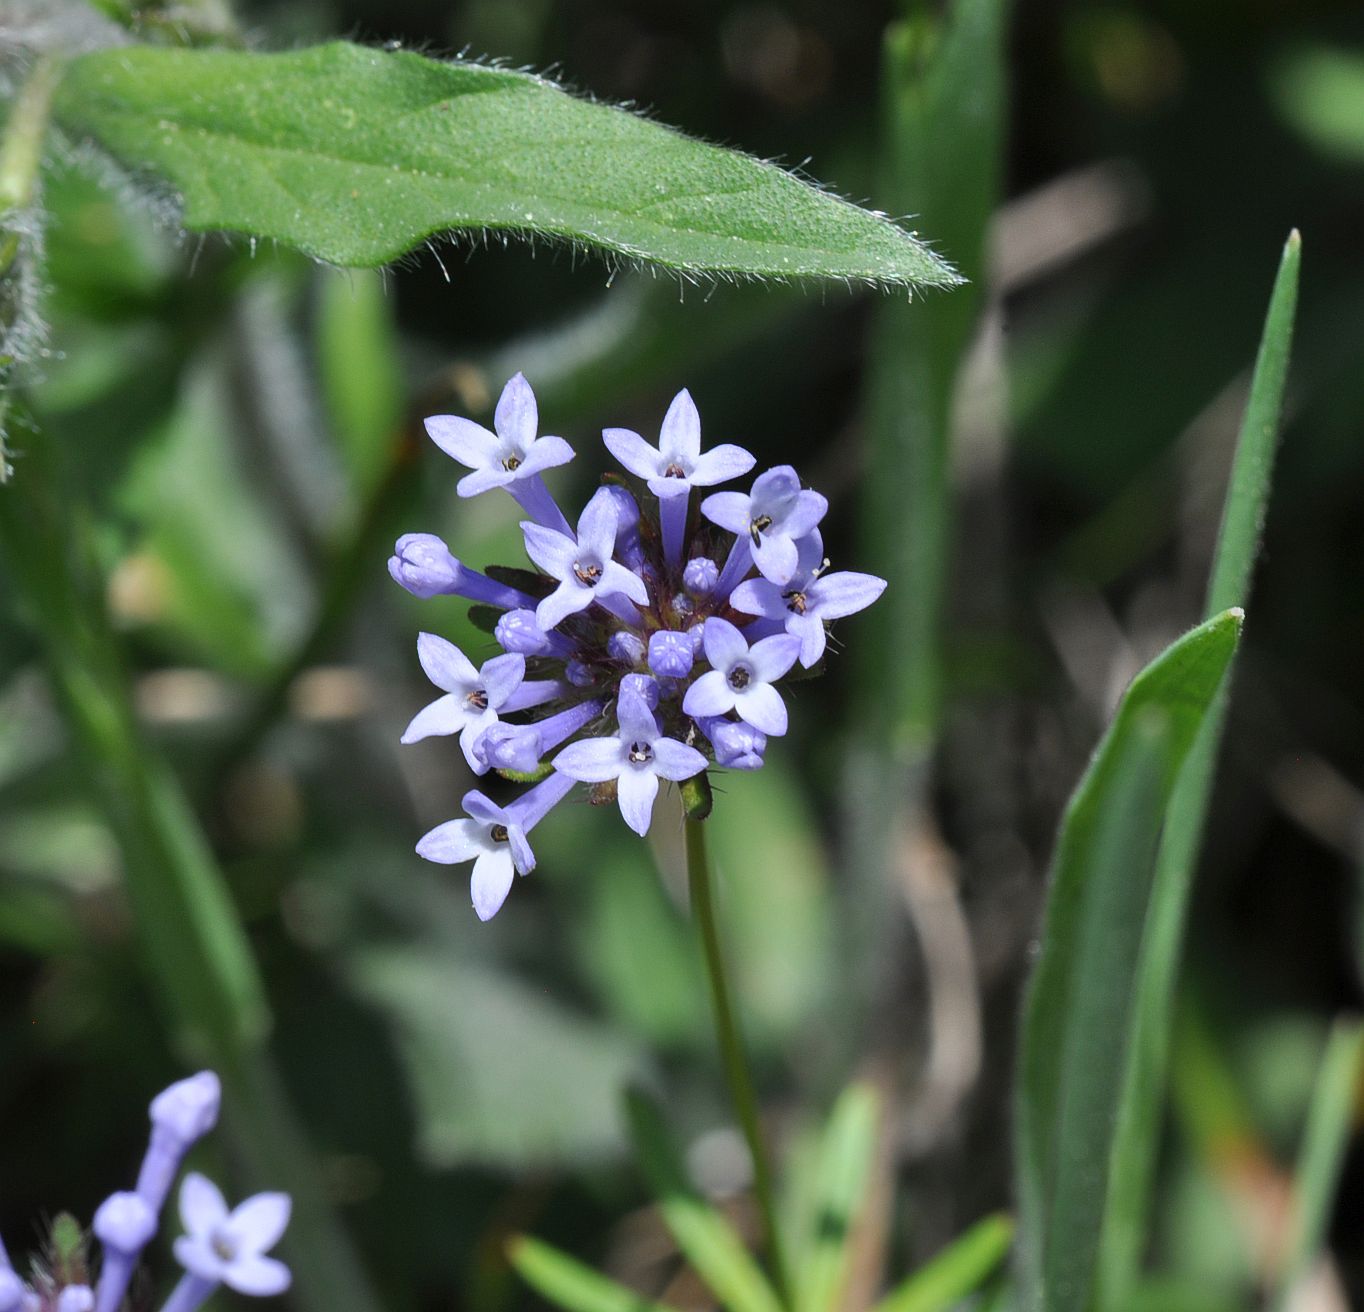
column 21, row 150
column 731, row 1045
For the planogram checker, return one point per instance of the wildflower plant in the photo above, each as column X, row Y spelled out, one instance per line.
column 650, row 644
column 220, row 1247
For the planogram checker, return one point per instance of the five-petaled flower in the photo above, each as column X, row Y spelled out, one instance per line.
column 741, row 677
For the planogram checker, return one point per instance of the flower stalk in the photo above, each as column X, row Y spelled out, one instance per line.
column 731, row 1046
column 21, row 151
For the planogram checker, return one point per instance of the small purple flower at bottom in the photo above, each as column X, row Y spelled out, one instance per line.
column 738, row 746
column 809, row 598
column 741, row 677
column 222, row 1247
column 472, row 697
column 636, row 760
column 494, row 839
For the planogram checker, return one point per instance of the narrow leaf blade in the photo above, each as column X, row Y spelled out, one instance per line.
column 356, row 156
column 570, row 1284
column 1135, row 1148
column 844, row 1166
column 1078, row 1013
column 707, row 1238
column 959, row 1270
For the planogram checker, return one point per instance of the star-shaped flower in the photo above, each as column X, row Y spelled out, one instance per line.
column 636, row 759
column 678, row 463
column 741, row 677
column 472, row 697
column 229, row 1248
column 510, row 455
column 808, row 598
column 774, row 516
column 584, row 569
column 494, row 839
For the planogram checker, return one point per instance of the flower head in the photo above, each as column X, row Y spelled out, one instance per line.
column 228, row 1247
column 652, row 659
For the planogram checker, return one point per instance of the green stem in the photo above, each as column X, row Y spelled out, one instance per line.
column 731, row 1045
column 21, row 150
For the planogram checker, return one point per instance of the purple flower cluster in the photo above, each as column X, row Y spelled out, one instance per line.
column 645, row 646
column 219, row 1246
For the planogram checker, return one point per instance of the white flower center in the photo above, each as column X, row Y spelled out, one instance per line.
column 641, row 753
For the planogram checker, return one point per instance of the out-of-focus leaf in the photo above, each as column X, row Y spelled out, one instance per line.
column 570, row 1284
column 357, row 155
column 707, row 1238
column 358, row 362
column 1335, row 1103
column 1135, row 1146
column 1320, row 92
column 844, row 1167
column 1079, row 1011
column 959, row 1270
column 500, row 1074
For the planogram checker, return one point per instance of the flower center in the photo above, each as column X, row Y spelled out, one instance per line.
column 795, row 601
column 498, row 833
column 759, row 525
column 641, row 753
column 674, row 470
column 740, row 677
column 224, row 1247
column 587, row 573
column 511, row 463
column 478, row 699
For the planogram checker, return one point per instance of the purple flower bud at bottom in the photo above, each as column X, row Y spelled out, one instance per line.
column 696, row 633
column 626, row 647
column 579, row 675
column 642, row 686
column 124, row 1222
column 671, row 654
column 422, row 564
column 700, row 576
column 12, row 1291
column 738, row 746
column 76, row 1298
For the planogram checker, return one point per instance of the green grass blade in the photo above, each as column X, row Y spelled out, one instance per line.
column 1335, row 1102
column 959, row 1270
column 570, row 1284
column 707, row 1239
column 945, row 106
column 357, row 155
column 1242, row 520
column 841, row 1179
column 1078, row 1014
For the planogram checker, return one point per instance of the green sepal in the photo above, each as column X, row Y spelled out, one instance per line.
column 541, row 771
column 485, row 617
column 523, row 580
column 696, row 796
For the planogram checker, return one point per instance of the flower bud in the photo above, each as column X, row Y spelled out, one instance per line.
column 12, row 1291
column 737, row 745
column 700, row 576
column 642, row 686
column 511, row 747
column 422, row 564
column 626, row 647
column 76, row 1298
column 124, row 1222
column 670, row 654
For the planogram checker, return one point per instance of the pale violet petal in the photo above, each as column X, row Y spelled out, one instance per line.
column 491, row 880
column 523, row 859
column 463, row 440
column 760, row 704
column 810, row 630
column 635, row 791
column 720, row 464
column 593, row 760
column 445, row 665
column 728, row 510
column 516, row 418
column 479, row 723
column 445, row 715
column 759, row 597
column 546, row 453
column 679, row 438
column 484, row 480
column 676, row 761
column 567, row 599
column 772, row 657
column 597, row 526
column 807, row 511
column 553, row 551
column 483, row 809
column 202, row 1205
column 774, row 490
column 632, row 451
column 636, row 719
column 724, row 645
column 196, row 1254
column 844, row 593
column 501, row 676
column 258, row 1222
column 260, row 1277
column 616, row 578
column 775, row 557
column 709, row 695
column 454, row 842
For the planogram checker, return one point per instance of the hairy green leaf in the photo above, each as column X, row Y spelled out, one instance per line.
column 357, row 155
column 1079, row 1011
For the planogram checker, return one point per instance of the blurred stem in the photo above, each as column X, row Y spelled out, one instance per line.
column 21, row 150
column 731, row 1045
column 196, row 950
